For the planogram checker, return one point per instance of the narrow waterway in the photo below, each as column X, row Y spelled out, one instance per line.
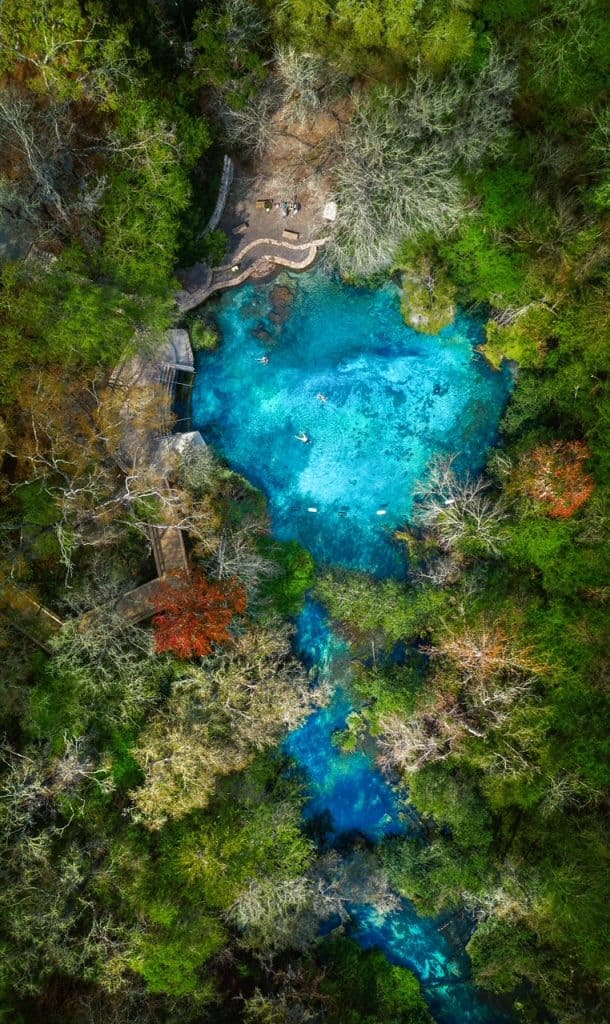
column 349, row 797
column 321, row 396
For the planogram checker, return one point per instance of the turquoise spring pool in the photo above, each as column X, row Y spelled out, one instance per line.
column 375, row 402
column 394, row 398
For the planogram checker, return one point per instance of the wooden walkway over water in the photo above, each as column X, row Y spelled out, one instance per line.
column 257, row 257
column 264, row 254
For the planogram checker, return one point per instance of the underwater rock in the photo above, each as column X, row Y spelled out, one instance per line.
column 282, row 299
column 281, row 295
column 262, row 334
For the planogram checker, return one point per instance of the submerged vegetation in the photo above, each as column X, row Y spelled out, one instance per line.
column 155, row 866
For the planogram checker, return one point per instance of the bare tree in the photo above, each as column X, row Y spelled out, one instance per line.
column 55, row 184
column 236, row 557
column 253, row 127
column 31, row 785
column 268, row 906
column 309, row 84
column 567, row 790
column 483, row 652
column 243, row 23
column 458, row 510
column 406, row 746
column 442, row 571
column 397, row 170
column 508, row 900
column 388, row 186
column 486, row 681
column 283, row 1007
column 278, row 914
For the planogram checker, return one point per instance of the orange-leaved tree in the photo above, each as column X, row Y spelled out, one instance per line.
column 194, row 614
column 555, row 475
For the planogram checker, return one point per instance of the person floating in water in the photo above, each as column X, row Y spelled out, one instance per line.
column 321, row 397
column 263, row 359
column 302, row 437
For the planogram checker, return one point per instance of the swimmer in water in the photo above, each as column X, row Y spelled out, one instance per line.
column 321, row 397
column 302, row 437
column 263, row 359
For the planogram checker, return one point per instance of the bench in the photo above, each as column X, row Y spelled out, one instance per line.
column 264, row 204
column 290, row 236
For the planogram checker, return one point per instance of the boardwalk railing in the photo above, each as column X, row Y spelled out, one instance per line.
column 167, row 541
column 225, row 184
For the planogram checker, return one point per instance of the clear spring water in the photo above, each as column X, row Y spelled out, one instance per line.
column 394, row 400
column 345, row 791
column 348, row 795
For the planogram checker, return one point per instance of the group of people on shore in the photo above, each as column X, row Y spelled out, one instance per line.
column 287, row 208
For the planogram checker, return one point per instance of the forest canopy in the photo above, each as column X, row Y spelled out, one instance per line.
column 156, row 865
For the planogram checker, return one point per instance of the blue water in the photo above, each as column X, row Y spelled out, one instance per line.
column 346, row 787
column 348, row 794
column 346, row 790
column 394, row 399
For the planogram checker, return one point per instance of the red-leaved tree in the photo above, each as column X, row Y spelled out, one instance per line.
column 194, row 614
column 555, row 475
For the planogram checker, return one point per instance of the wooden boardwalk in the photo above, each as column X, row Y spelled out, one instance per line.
column 168, row 549
column 169, row 553
column 29, row 617
column 138, row 604
column 167, row 540
column 272, row 252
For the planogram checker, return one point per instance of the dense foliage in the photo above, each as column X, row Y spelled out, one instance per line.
column 154, row 863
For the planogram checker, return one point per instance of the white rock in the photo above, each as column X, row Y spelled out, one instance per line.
column 330, row 211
